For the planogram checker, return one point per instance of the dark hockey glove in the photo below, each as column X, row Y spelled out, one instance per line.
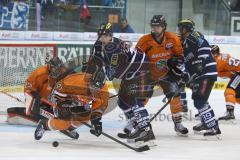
column 198, row 66
column 176, row 66
column 96, row 125
column 98, row 80
column 64, row 110
column 185, row 78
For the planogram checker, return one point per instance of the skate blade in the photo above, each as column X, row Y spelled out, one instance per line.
column 198, row 132
column 130, row 140
column 213, row 138
column 181, row 135
column 151, row 143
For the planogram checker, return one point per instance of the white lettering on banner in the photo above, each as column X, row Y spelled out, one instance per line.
column 62, row 53
column 14, row 57
column 73, row 53
column 3, row 56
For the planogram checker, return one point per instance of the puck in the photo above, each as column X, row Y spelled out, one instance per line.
column 55, row 144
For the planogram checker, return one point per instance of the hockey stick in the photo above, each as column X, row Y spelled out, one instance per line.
column 113, row 96
column 9, row 95
column 160, row 110
column 165, row 105
column 140, row 149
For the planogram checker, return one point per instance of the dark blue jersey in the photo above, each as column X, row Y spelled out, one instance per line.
column 198, row 57
column 116, row 59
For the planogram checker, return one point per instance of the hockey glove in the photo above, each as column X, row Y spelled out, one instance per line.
column 185, row 77
column 198, row 66
column 96, row 125
column 176, row 66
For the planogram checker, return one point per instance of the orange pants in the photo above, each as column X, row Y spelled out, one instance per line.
column 60, row 124
column 176, row 105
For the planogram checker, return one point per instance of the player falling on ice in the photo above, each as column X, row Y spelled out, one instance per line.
column 202, row 71
column 165, row 54
column 39, row 84
column 37, row 89
column 228, row 67
column 75, row 103
column 111, row 58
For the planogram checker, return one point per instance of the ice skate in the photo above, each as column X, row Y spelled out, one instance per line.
column 143, row 136
column 180, row 130
column 40, row 130
column 199, row 128
column 213, row 133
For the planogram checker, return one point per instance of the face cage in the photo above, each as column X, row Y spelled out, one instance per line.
column 55, row 71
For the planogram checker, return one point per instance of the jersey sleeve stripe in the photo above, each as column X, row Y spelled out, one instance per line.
column 211, row 64
column 204, row 49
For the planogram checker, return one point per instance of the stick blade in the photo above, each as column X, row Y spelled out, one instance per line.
column 143, row 148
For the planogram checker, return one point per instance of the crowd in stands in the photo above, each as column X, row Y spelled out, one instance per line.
column 65, row 15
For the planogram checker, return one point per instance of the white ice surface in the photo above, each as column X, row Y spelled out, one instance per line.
column 17, row 142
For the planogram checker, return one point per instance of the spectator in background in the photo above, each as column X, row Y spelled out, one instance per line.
column 48, row 14
column 85, row 14
column 4, row 2
column 123, row 27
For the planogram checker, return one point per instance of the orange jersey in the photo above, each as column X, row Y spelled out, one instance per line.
column 227, row 65
column 38, row 81
column 158, row 54
column 78, row 84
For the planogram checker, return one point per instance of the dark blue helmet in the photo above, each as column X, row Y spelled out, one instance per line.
column 187, row 24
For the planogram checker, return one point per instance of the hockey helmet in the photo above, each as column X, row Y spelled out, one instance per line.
column 187, row 24
column 158, row 20
column 215, row 50
column 55, row 67
column 105, row 29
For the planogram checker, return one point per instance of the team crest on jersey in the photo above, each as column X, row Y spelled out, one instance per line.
column 169, row 45
column 58, row 86
column 111, row 47
column 114, row 59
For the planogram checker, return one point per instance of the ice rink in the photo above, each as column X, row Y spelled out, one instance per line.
column 17, row 142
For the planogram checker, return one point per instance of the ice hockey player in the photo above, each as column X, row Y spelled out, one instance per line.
column 75, row 104
column 38, row 86
column 202, row 72
column 165, row 54
column 228, row 67
column 112, row 58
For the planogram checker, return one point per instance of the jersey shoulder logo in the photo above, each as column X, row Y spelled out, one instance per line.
column 58, row 86
column 169, row 45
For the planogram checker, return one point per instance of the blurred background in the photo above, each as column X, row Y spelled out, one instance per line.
column 212, row 17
